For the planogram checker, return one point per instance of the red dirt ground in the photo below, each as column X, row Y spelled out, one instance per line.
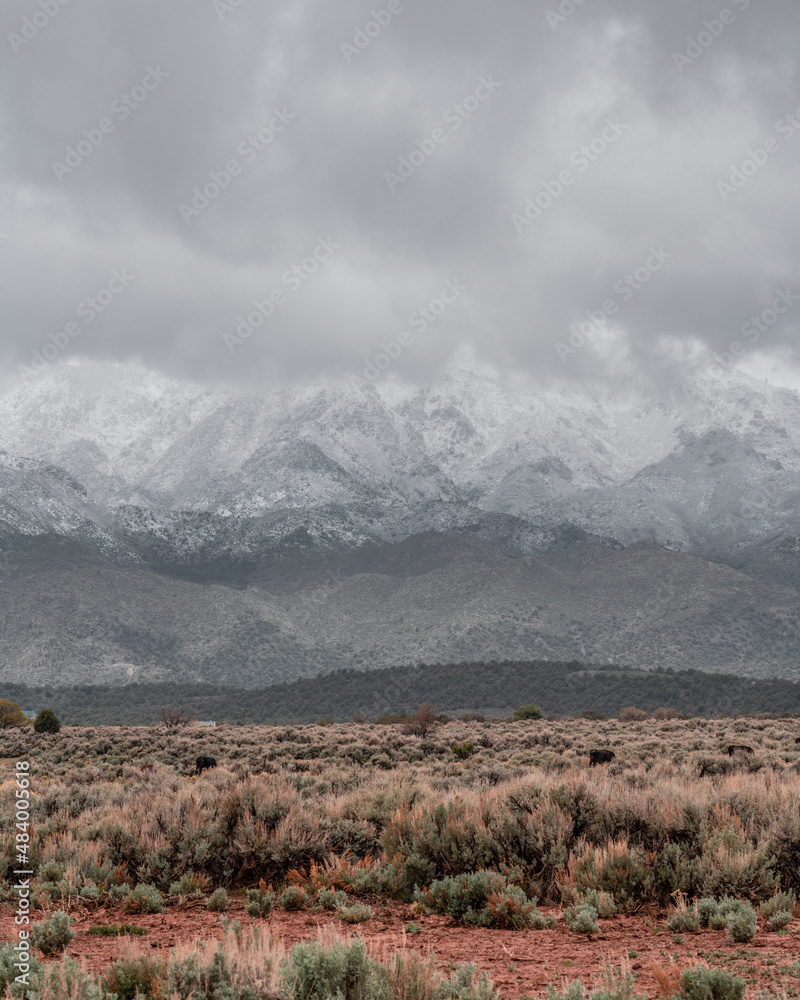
column 519, row 962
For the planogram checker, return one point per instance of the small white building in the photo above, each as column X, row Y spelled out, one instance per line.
column 199, row 723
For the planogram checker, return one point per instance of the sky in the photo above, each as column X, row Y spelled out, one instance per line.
column 251, row 193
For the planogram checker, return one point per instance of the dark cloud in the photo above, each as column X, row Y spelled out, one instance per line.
column 516, row 91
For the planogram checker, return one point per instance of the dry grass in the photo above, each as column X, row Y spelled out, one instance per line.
column 370, row 808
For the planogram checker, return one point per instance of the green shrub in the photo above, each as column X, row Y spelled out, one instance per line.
column 259, row 902
column 293, row 898
column 582, row 919
column 53, row 935
column 603, row 902
column 50, row 871
column 684, row 919
column 512, row 910
column 9, row 971
column 777, row 910
column 619, row 870
column 730, row 865
column 68, row 979
column 135, row 978
column 527, row 712
column 463, row 750
column 618, row 985
column 483, row 898
column 218, row 901
column 742, row 924
column 357, row 914
column 313, row 972
column 702, row 983
column 90, row 891
column 119, row 891
column 719, row 914
column 331, row 900
column 144, row 899
column 706, row 910
column 190, row 884
column 115, row 930
column 47, row 721
column 779, row 920
column 461, row 897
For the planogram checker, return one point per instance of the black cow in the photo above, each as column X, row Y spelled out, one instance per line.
column 600, row 757
column 203, row 762
column 738, row 748
column 797, row 740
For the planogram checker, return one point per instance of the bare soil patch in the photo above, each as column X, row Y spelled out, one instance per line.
column 519, row 962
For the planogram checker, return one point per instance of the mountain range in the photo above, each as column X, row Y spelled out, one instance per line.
column 154, row 529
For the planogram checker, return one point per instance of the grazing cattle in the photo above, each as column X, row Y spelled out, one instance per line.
column 738, row 748
column 148, row 768
column 797, row 740
column 600, row 757
column 203, row 762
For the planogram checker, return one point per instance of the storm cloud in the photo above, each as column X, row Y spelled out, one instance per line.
column 287, row 188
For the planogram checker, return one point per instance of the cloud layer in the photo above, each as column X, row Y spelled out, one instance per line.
column 541, row 155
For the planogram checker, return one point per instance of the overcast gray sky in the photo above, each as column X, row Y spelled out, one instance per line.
column 157, row 99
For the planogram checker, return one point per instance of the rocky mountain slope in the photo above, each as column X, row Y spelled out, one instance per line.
column 159, row 484
column 69, row 615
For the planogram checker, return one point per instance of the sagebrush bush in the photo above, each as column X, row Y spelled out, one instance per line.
column 330, row 899
column 53, row 935
column 485, row 899
column 582, row 919
column 259, row 901
column 218, row 901
column 293, row 898
column 144, row 899
column 777, row 911
column 702, row 983
column 684, row 918
column 135, row 978
column 356, row 914
column 741, row 926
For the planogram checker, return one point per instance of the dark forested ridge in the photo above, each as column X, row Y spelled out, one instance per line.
column 493, row 689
